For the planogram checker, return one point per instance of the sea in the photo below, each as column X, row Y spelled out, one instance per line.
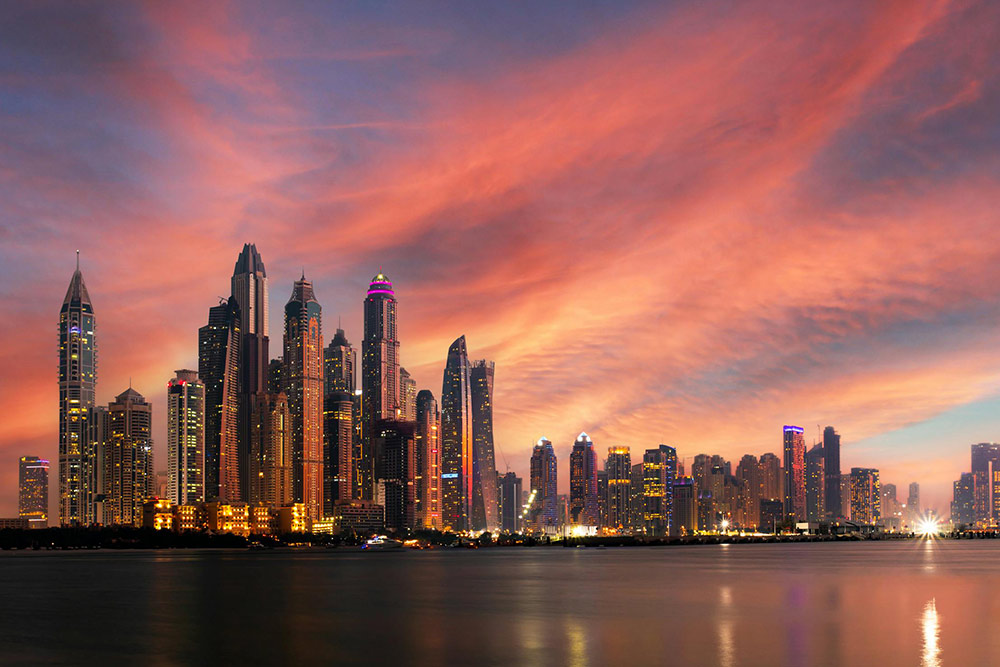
column 923, row 602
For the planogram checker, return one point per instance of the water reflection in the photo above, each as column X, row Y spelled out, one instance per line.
column 724, row 628
column 932, row 654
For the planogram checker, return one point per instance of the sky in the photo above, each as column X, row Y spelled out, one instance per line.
column 686, row 223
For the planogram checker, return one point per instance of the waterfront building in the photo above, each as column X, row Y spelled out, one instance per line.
column 510, row 502
column 583, row 504
column 158, row 514
column 379, row 373
column 407, row 410
column 338, row 448
column 428, row 461
column 986, row 473
column 685, row 514
column 272, row 481
column 219, row 370
column 77, row 386
column 831, row 473
column 795, row 473
column 964, row 500
column 602, row 497
column 33, row 491
column 249, row 290
column 866, row 497
column 771, row 515
column 913, row 511
column 484, row 471
column 619, row 469
column 815, row 484
column 394, row 472
column 659, row 468
column 362, row 516
column 771, row 478
column 892, row 513
column 543, row 514
column 304, row 385
column 456, row 439
column 185, row 438
column 845, row 496
column 638, row 503
column 129, row 458
column 748, row 475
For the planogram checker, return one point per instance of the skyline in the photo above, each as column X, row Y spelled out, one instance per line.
column 725, row 248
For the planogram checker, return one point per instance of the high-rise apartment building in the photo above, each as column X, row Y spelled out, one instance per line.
column 659, row 467
column 77, row 385
column 583, row 504
column 986, row 474
column 186, row 438
column 619, row 469
column 748, row 504
column 815, row 484
column 795, row 473
column 771, row 478
column 428, row 461
column 831, row 472
column 219, row 370
column 913, row 509
column 303, row 381
column 250, row 292
column 379, row 373
column 543, row 514
column 339, row 360
column 456, row 438
column 129, row 458
column 964, row 500
column 685, row 515
column 272, row 478
column 394, row 471
column 866, row 497
column 338, row 448
column 33, row 491
column 407, row 410
column 484, row 471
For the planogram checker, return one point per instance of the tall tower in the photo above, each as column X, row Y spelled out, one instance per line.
column 866, row 499
column 338, row 363
column 304, row 383
column 129, row 458
column 659, row 468
column 186, row 438
column 583, row 505
column 77, row 383
column 456, row 439
column 33, row 491
column 219, row 370
column 379, row 372
column 815, row 484
column 428, row 460
column 271, row 451
column 795, row 472
column 831, row 471
column 338, row 448
column 544, row 510
column 619, row 469
column 249, row 290
column 407, row 410
column 484, row 471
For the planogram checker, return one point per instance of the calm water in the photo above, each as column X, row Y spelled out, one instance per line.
column 877, row 603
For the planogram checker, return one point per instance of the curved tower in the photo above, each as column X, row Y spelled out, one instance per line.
column 379, row 373
column 77, row 384
column 484, row 471
column 456, row 439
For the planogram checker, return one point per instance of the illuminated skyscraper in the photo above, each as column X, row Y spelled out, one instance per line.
column 795, row 473
column 394, row 471
column 510, row 502
column 338, row 447
column 219, row 369
column 484, row 471
column 304, row 385
column 986, row 474
column 866, row 497
column 685, row 514
column 771, row 479
column 815, row 484
column 407, row 410
column 659, row 467
column 129, row 458
column 750, row 493
column 339, row 361
column 249, row 290
column 428, row 461
column 619, row 469
column 33, row 491
column 831, row 472
column 543, row 515
column 963, row 500
column 456, row 439
column 379, row 372
column 637, row 499
column 77, row 384
column 186, row 439
column 584, row 509
column 272, row 464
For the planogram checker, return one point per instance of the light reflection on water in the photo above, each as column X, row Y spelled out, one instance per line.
column 867, row 603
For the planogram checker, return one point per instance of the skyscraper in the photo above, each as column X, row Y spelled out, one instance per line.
column 815, row 484
column 129, row 458
column 407, row 410
column 304, row 385
column 963, row 500
column 543, row 514
column 219, row 369
column 338, row 447
column 339, row 360
column 659, row 467
column 986, row 474
column 795, row 473
column 771, row 479
column 394, row 471
column 484, row 471
column 619, row 469
column 379, row 371
column 750, row 494
column 428, row 460
column 77, row 384
column 510, row 503
column 271, row 474
column 866, row 497
column 583, row 505
column 913, row 502
column 33, row 491
column 456, row 439
column 831, row 472
column 249, row 290
column 186, row 438
column 685, row 515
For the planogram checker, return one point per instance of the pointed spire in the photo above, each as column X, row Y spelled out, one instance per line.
column 77, row 291
column 77, row 260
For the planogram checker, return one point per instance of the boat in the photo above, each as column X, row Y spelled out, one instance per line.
column 381, row 543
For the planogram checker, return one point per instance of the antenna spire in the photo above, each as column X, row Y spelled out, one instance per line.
column 77, row 260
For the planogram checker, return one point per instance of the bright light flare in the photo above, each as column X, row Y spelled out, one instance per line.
column 928, row 527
